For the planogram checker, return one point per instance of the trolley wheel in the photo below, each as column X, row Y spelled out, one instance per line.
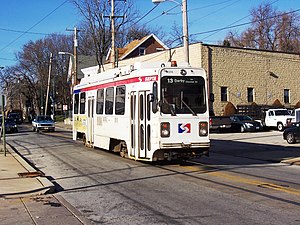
column 123, row 150
column 84, row 140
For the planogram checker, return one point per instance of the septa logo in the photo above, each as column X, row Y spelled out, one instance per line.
column 184, row 128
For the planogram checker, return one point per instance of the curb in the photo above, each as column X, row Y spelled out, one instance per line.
column 292, row 161
column 47, row 187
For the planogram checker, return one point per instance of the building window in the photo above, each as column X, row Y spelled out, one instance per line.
column 224, row 94
column 286, row 96
column 142, row 51
column 250, row 94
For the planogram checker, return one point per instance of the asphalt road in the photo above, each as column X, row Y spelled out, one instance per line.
column 240, row 183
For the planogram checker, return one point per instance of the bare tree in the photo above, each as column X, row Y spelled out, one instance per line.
column 98, row 27
column 270, row 30
column 176, row 36
column 29, row 77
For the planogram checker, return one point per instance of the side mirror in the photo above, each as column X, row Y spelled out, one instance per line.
column 153, row 98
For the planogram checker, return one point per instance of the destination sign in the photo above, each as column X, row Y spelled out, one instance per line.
column 182, row 80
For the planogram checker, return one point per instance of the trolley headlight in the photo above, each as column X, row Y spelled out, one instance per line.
column 165, row 129
column 203, row 129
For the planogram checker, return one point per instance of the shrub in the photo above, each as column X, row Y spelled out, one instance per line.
column 277, row 104
column 229, row 109
column 297, row 105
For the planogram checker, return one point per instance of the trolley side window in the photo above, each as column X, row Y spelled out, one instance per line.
column 100, row 101
column 76, row 103
column 109, row 101
column 82, row 103
column 120, row 100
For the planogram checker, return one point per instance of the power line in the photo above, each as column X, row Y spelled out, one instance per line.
column 21, row 31
column 208, row 6
column 163, row 13
column 238, row 25
column 216, row 11
column 146, row 14
column 236, row 21
column 33, row 26
column 243, row 24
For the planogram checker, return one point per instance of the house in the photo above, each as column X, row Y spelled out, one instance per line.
column 147, row 45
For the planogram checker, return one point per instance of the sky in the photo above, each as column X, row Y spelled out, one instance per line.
column 22, row 21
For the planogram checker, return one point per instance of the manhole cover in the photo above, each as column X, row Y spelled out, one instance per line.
column 31, row 174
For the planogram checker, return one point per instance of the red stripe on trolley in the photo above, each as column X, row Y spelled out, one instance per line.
column 120, row 82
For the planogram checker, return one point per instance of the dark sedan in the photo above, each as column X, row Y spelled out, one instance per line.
column 10, row 125
column 292, row 133
column 242, row 123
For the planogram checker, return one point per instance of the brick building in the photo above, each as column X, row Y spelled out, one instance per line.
column 239, row 75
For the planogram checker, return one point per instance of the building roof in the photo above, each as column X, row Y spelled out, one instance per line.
column 136, row 43
column 85, row 61
column 124, row 52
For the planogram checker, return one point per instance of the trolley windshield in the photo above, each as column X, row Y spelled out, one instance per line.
column 183, row 95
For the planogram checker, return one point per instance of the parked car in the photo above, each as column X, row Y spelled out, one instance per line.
column 16, row 117
column 292, row 133
column 277, row 118
column 242, row 123
column 219, row 123
column 43, row 123
column 10, row 125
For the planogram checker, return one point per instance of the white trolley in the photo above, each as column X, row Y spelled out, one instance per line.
column 147, row 111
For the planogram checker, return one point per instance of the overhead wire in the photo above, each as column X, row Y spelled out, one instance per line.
column 33, row 26
column 243, row 24
column 236, row 21
column 146, row 14
column 22, row 31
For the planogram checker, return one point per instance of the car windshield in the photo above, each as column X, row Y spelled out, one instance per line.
column 9, row 120
column 44, row 118
column 244, row 118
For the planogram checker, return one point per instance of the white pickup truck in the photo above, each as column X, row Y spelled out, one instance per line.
column 277, row 118
column 295, row 115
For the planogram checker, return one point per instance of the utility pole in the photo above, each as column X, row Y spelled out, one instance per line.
column 3, row 125
column 75, row 55
column 185, row 31
column 48, row 85
column 112, row 18
column 113, row 50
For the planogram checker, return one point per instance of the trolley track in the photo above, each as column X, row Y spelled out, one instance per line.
column 89, row 172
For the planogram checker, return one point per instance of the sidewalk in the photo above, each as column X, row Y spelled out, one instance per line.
column 18, row 178
column 25, row 196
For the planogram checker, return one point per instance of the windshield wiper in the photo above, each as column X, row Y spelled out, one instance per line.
column 171, row 107
column 189, row 108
